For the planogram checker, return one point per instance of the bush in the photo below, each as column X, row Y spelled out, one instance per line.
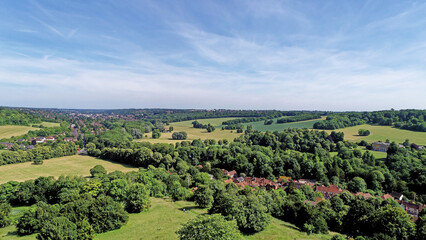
column 156, row 134
column 59, row 228
column 38, row 161
column 5, row 209
column 98, row 170
column 137, row 198
column 179, row 135
column 209, row 227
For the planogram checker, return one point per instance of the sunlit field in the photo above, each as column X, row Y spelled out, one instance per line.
column 76, row 165
column 381, row 133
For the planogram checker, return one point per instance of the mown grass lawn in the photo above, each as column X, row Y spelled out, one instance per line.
column 381, row 133
column 76, row 165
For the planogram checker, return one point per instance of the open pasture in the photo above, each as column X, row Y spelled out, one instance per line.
column 76, row 165
column 195, row 133
column 280, row 127
column 9, row 131
column 381, row 133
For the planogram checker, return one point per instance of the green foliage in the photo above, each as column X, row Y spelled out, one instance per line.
column 393, row 221
column 357, row 184
column 179, row 135
column 363, row 132
column 38, row 161
column 36, row 217
column 156, row 134
column 203, row 196
column 58, row 228
column 106, row 214
column 98, row 171
column 137, row 198
column 209, row 227
column 5, row 209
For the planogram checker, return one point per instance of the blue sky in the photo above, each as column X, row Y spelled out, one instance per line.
column 288, row 55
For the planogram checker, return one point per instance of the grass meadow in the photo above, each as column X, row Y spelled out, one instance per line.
column 280, row 127
column 162, row 221
column 76, row 165
column 9, row 131
column 218, row 134
column 195, row 133
column 381, row 133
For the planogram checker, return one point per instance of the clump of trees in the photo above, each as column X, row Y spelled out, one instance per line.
column 363, row 132
column 208, row 127
column 38, row 154
column 179, row 135
column 156, row 134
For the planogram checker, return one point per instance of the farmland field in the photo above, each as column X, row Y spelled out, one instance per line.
column 381, row 133
column 71, row 165
column 280, row 127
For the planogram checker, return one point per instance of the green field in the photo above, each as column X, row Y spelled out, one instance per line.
column 218, row 134
column 72, row 165
column 195, row 133
column 50, row 124
column 381, row 133
column 280, row 127
column 9, row 131
column 376, row 154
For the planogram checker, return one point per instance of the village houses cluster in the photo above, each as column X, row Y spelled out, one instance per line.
column 412, row 209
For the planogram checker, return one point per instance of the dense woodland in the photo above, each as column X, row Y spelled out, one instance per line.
column 16, row 117
column 414, row 120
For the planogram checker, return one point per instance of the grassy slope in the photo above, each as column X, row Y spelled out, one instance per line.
column 72, row 165
column 165, row 218
column 280, row 127
column 9, row 131
column 381, row 133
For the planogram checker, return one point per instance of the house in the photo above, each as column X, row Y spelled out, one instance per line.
column 386, row 196
column 40, row 139
column 380, row 146
column 50, row 138
column 330, row 191
column 299, row 183
column 364, row 195
column 70, row 139
column 29, row 147
column 230, row 174
column 8, row 145
column 397, row 196
column 412, row 208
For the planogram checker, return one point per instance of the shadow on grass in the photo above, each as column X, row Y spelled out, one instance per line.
column 189, row 208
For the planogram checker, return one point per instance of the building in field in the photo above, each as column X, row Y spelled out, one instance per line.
column 380, row 146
